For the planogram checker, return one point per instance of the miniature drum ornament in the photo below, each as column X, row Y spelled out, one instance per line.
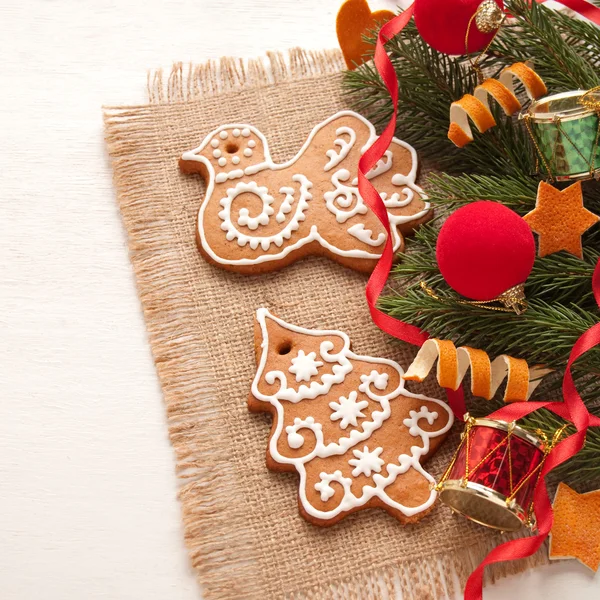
column 565, row 130
column 493, row 475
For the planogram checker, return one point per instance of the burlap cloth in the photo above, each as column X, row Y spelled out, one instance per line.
column 242, row 527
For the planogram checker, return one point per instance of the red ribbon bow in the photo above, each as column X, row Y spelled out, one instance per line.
column 572, row 409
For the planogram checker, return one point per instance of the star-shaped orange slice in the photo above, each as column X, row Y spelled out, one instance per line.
column 576, row 529
column 560, row 219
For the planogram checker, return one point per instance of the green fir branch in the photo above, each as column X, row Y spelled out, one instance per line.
column 544, row 333
column 546, row 37
column 584, row 468
column 498, row 165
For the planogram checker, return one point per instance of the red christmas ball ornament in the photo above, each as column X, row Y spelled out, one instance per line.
column 443, row 23
column 484, row 249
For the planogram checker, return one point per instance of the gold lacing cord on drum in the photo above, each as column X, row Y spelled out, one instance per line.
column 513, row 299
column 466, row 440
column 588, row 103
column 548, row 447
column 539, row 153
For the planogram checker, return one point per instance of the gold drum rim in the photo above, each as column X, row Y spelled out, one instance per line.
column 565, row 106
column 517, row 517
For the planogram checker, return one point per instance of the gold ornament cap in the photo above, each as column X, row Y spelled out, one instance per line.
column 489, row 16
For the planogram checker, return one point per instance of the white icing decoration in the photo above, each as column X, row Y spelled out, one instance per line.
column 413, row 422
column 251, row 143
column 235, row 174
column 235, row 160
column 265, row 241
column 348, row 410
column 286, row 205
column 335, row 158
column 214, row 143
column 236, row 133
column 379, row 380
column 217, row 153
column 247, row 152
column 366, row 462
column 324, row 486
column 244, row 219
column 222, row 161
column 296, row 440
column 304, row 366
column 343, row 196
column 341, row 191
column 341, row 366
column 366, row 235
column 394, row 200
column 383, row 165
column 399, row 179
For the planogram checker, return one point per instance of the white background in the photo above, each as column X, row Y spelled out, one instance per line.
column 88, row 503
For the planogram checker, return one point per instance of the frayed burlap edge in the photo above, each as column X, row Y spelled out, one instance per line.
column 195, row 425
column 189, row 82
column 428, row 578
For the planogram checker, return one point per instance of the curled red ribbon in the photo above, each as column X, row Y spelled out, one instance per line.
column 572, row 409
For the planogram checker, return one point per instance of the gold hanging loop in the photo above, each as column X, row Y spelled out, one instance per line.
column 488, row 17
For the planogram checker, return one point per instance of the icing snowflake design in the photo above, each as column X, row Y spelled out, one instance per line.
column 348, row 410
column 366, row 462
column 348, row 420
column 304, row 366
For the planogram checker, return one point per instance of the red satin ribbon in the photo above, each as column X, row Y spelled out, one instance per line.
column 582, row 7
column 399, row 329
column 572, row 409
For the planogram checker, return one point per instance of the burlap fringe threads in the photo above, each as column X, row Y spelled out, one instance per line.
column 195, row 424
column 187, row 83
column 434, row 578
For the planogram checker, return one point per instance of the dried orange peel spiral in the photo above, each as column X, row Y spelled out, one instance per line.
column 476, row 106
column 486, row 375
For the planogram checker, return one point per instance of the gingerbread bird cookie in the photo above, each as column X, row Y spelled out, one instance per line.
column 258, row 215
column 345, row 423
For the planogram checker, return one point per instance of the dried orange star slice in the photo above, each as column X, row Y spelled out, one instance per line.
column 576, row 529
column 560, row 219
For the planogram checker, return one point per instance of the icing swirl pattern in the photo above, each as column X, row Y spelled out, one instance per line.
column 257, row 212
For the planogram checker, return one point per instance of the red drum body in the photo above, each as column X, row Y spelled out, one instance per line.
column 492, row 477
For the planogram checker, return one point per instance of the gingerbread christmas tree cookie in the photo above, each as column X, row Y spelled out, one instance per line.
column 258, row 215
column 344, row 423
column 560, row 219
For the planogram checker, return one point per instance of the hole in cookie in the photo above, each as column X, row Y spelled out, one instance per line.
column 284, row 348
column 232, row 148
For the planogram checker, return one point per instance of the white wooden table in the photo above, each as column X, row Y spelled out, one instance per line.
column 88, row 503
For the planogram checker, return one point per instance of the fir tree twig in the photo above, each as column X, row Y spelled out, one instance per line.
column 499, row 165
